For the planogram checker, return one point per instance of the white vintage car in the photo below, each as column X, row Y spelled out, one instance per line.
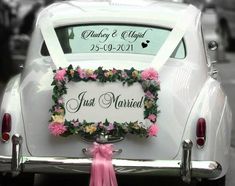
column 135, row 76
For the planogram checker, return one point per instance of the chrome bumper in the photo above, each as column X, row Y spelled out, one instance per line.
column 184, row 168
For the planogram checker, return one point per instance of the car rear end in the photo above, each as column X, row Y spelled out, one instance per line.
column 111, row 43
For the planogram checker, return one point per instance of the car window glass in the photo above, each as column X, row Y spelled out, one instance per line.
column 114, row 39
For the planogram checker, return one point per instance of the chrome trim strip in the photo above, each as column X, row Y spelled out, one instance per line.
column 186, row 161
column 199, row 169
column 86, row 151
column 17, row 141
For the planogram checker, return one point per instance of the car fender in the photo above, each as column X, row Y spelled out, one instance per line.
column 211, row 104
column 11, row 104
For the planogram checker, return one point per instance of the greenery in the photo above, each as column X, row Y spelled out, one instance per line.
column 59, row 126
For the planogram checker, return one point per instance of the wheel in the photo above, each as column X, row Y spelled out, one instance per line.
column 23, row 179
column 226, row 40
column 218, row 182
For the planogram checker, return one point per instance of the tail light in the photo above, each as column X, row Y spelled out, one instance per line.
column 6, row 127
column 201, row 132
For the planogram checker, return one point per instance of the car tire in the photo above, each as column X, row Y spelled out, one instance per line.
column 218, row 182
column 23, row 179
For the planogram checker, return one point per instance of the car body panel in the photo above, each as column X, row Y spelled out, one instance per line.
column 173, row 94
column 214, row 107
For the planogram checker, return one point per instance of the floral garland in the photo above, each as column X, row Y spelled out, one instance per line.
column 148, row 78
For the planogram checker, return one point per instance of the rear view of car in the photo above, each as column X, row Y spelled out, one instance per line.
column 119, row 77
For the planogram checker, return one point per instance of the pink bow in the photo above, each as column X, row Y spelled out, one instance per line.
column 102, row 171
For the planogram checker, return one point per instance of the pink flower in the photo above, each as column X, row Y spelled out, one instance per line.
column 75, row 123
column 81, row 73
column 152, row 117
column 60, row 100
column 59, row 76
column 149, row 74
column 56, row 128
column 124, row 75
column 100, row 124
column 110, row 127
column 153, row 130
column 149, row 95
column 93, row 76
column 59, row 110
column 114, row 71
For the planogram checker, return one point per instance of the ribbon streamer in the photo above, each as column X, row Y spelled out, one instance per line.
column 52, row 42
column 102, row 171
column 183, row 22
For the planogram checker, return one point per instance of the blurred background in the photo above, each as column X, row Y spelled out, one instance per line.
column 16, row 22
column 218, row 19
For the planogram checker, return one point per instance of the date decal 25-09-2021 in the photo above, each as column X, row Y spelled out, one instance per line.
column 112, row 48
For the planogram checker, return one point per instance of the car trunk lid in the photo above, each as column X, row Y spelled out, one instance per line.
column 176, row 98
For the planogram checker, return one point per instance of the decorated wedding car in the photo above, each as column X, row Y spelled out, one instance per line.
column 111, row 88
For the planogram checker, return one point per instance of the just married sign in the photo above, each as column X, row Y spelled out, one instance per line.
column 96, row 101
column 99, row 102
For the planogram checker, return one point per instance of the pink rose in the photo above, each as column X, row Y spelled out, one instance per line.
column 149, row 74
column 59, row 76
column 153, row 130
column 56, row 129
column 100, row 124
column 124, row 75
column 106, row 74
column 149, row 95
column 93, row 76
column 60, row 100
column 110, row 127
column 81, row 73
column 59, row 110
column 152, row 117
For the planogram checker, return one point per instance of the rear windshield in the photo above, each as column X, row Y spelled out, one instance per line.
column 106, row 38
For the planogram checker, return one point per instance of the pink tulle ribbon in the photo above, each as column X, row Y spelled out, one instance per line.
column 102, row 171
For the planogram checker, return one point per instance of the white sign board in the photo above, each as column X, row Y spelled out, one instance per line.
column 95, row 102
